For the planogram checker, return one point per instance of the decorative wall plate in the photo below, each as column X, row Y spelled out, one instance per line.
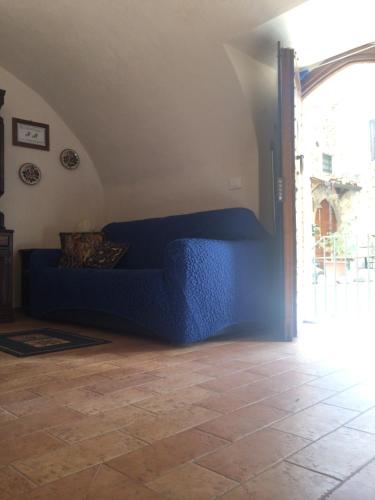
column 69, row 159
column 30, row 173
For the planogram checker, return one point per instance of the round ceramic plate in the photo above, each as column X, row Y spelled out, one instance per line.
column 69, row 159
column 30, row 173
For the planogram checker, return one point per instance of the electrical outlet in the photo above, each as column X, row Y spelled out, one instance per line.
column 235, row 183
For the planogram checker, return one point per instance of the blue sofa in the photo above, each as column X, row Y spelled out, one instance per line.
column 185, row 278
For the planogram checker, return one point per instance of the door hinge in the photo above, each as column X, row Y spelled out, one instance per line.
column 280, row 189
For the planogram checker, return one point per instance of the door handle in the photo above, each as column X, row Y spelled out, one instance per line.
column 301, row 159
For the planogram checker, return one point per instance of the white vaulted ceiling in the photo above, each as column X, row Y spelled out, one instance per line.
column 146, row 85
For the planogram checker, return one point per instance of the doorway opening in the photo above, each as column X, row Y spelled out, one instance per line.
column 335, row 201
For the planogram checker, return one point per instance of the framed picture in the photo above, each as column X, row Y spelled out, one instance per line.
column 30, row 134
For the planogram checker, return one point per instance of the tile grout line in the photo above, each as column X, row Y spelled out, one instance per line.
column 357, row 471
column 12, row 466
column 287, row 460
column 288, row 457
column 92, row 480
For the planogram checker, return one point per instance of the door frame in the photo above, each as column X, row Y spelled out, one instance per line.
column 290, row 86
column 285, row 192
column 314, row 76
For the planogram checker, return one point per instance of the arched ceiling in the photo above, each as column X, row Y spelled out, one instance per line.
column 145, row 84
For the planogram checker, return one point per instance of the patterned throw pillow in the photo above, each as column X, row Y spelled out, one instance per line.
column 78, row 247
column 107, row 255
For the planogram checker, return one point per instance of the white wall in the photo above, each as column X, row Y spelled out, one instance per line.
column 197, row 134
column 259, row 86
column 195, row 188
column 148, row 88
column 63, row 198
column 208, row 140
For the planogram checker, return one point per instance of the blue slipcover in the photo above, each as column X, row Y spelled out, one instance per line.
column 185, row 278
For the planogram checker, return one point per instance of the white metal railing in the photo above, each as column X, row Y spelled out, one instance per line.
column 343, row 276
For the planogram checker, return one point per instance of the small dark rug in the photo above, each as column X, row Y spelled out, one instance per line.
column 43, row 340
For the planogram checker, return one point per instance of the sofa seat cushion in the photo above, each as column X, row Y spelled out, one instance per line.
column 140, row 296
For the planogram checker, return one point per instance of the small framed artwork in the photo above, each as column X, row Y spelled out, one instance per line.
column 30, row 134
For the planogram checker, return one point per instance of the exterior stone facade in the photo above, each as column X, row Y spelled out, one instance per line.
column 336, row 119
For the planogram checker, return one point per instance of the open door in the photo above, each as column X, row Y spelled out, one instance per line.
column 285, row 187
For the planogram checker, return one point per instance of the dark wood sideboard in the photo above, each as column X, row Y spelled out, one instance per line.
column 6, row 275
column 6, row 242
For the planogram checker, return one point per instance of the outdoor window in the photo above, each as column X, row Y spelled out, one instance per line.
column 327, row 163
column 372, row 139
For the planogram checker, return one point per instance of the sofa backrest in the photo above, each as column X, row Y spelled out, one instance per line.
column 149, row 237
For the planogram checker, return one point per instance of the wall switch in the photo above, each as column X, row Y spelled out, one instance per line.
column 235, row 183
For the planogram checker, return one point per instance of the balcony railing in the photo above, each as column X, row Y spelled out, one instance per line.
column 343, row 276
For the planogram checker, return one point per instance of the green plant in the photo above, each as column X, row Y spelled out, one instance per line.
column 315, row 231
column 337, row 244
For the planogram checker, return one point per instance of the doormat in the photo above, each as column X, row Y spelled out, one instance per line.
column 44, row 340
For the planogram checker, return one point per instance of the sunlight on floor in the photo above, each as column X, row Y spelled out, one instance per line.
column 351, row 343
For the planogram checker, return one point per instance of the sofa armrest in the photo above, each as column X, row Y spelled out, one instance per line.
column 48, row 257
column 222, row 256
column 221, row 281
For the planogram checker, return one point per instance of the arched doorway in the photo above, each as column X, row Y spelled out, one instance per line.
column 312, row 77
column 325, row 225
column 325, row 219
column 339, row 137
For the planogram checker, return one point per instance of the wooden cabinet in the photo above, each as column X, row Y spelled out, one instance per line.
column 6, row 243
column 6, row 275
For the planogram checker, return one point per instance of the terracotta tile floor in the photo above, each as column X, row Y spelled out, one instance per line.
column 232, row 418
